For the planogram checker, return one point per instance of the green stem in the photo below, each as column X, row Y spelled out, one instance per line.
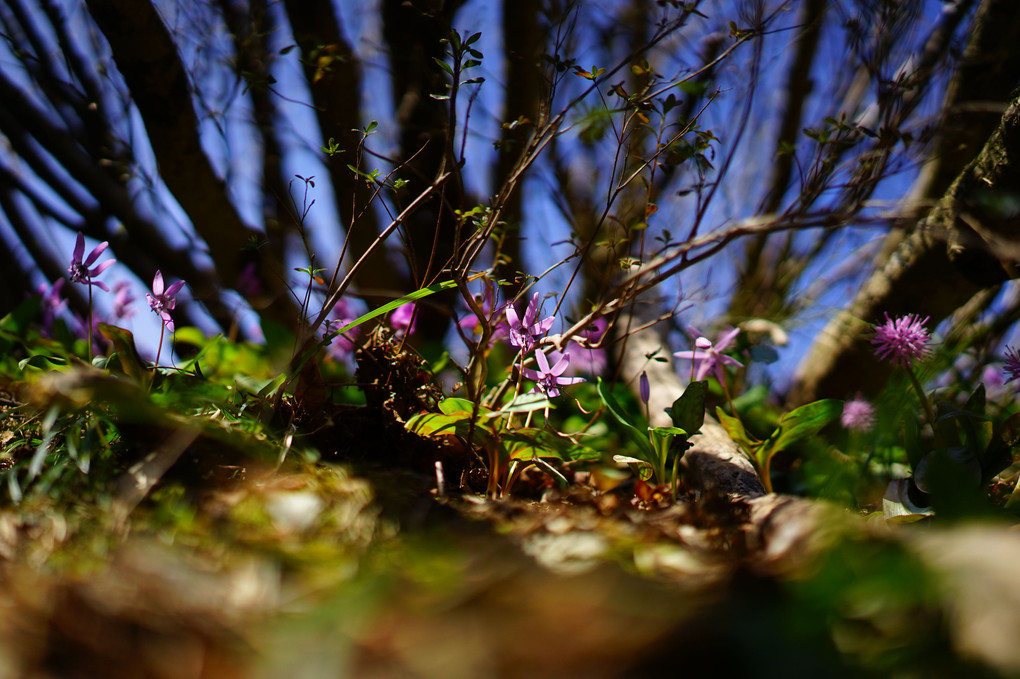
column 926, row 404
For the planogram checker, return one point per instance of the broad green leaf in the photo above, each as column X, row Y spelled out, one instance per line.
column 457, row 405
column 427, row 424
column 735, row 429
column 688, row 411
column 40, row 361
column 804, row 421
column 130, row 361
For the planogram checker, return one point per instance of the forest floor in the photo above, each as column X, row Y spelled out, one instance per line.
column 232, row 567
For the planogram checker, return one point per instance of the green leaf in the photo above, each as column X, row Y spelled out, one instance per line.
column 427, row 424
column 130, row 361
column 453, row 405
column 443, row 65
column 40, row 361
column 735, row 430
column 688, row 411
column 804, row 421
column 613, row 406
column 406, row 299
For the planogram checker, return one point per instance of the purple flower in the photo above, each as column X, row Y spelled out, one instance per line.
column 858, row 414
column 470, row 324
column 1012, row 367
column 709, row 358
column 902, row 341
column 523, row 333
column 122, row 300
column 645, row 388
column 340, row 347
column 51, row 304
column 248, row 283
column 79, row 271
column 584, row 359
column 403, row 318
column 164, row 301
column 548, row 380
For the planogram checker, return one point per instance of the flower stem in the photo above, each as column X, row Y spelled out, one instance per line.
column 88, row 329
column 926, row 404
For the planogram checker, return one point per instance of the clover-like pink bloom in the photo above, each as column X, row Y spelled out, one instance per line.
column 903, row 340
column 708, row 357
column 163, row 301
column 79, row 271
column 1012, row 367
column 548, row 380
column 858, row 415
column 524, row 332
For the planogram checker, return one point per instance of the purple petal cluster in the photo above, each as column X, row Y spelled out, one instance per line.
column 79, row 271
column 164, row 300
column 548, row 380
column 524, row 333
column 903, row 340
column 709, row 357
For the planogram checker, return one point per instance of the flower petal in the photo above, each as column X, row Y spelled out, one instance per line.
column 79, row 247
column 174, row 289
column 157, row 283
column 94, row 255
column 532, row 310
column 543, row 361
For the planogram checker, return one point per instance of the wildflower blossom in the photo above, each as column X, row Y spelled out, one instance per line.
column 708, row 357
column 51, row 303
column 645, row 388
column 470, row 324
column 163, row 301
column 548, row 380
column 79, row 271
column 340, row 347
column 122, row 301
column 584, row 359
column 523, row 333
column 1012, row 366
column 404, row 319
column 903, row 340
column 248, row 284
column 858, row 415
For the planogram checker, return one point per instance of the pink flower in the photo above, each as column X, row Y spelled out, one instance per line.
column 164, row 301
column 403, row 318
column 709, row 358
column 51, row 304
column 470, row 324
column 902, row 341
column 122, row 300
column 524, row 333
column 79, row 271
column 858, row 415
column 548, row 380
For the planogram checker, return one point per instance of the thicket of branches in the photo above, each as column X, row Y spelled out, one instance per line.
column 796, row 147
